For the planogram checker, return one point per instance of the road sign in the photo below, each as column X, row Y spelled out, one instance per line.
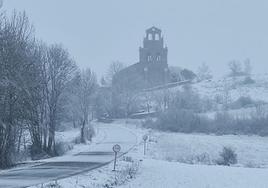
column 116, row 148
column 145, row 137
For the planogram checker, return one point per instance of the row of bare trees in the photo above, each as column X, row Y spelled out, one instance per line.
column 35, row 81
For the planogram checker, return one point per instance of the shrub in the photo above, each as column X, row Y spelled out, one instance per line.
column 90, row 133
column 62, row 147
column 203, row 158
column 123, row 175
column 227, row 157
column 242, row 102
column 127, row 173
column 248, row 80
column 179, row 120
column 53, row 185
column 37, row 153
column 87, row 133
column 128, row 159
column 148, row 123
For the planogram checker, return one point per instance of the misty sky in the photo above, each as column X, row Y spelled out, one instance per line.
column 101, row 31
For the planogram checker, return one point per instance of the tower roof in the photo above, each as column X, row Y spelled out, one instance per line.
column 153, row 30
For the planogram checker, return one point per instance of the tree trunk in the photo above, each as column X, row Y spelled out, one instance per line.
column 83, row 139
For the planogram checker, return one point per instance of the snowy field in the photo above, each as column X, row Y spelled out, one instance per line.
column 165, row 166
column 162, row 174
column 252, row 151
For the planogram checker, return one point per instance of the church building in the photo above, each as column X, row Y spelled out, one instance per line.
column 152, row 68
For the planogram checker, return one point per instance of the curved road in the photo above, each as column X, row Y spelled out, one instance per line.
column 88, row 158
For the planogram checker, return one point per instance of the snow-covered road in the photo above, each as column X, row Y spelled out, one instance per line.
column 86, row 158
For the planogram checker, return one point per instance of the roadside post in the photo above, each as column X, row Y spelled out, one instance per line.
column 145, row 138
column 116, row 149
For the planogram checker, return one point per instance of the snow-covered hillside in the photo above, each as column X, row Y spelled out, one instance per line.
column 235, row 87
column 218, row 92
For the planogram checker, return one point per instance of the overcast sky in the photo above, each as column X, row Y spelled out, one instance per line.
column 101, row 31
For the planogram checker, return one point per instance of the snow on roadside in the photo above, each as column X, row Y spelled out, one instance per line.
column 155, row 172
column 159, row 173
column 98, row 178
column 252, row 151
column 163, row 174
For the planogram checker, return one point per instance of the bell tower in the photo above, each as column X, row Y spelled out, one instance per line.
column 152, row 69
column 153, row 50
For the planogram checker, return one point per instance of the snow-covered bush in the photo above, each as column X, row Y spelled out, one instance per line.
column 90, row 133
column 127, row 173
column 204, row 73
column 127, row 159
column 235, row 68
column 248, row 80
column 123, row 175
column 227, row 157
column 224, row 123
column 180, row 120
column 202, row 158
column 62, row 147
column 243, row 102
column 53, row 185
column 148, row 123
column 37, row 153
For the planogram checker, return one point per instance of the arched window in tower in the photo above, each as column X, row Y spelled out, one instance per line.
column 158, row 57
column 150, row 36
column 149, row 57
column 157, row 37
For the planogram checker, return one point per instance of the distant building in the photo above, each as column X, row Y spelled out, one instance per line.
column 152, row 68
column 153, row 50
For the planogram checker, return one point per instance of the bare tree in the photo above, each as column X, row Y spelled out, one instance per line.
column 84, row 91
column 113, row 69
column 247, row 67
column 16, row 40
column 58, row 71
column 235, row 68
column 125, row 97
column 203, row 72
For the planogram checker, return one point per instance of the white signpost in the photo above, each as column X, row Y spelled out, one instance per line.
column 145, row 138
column 116, row 149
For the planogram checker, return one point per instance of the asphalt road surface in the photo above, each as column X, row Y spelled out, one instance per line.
column 90, row 157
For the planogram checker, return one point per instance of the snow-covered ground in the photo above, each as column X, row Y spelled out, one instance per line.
column 160, row 167
column 235, row 88
column 219, row 92
column 187, row 160
column 163, row 174
column 252, row 151
column 83, row 158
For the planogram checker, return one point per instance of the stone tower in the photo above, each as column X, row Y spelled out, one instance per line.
column 152, row 68
column 153, row 50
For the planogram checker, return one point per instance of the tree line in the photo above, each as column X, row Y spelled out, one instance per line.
column 38, row 82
